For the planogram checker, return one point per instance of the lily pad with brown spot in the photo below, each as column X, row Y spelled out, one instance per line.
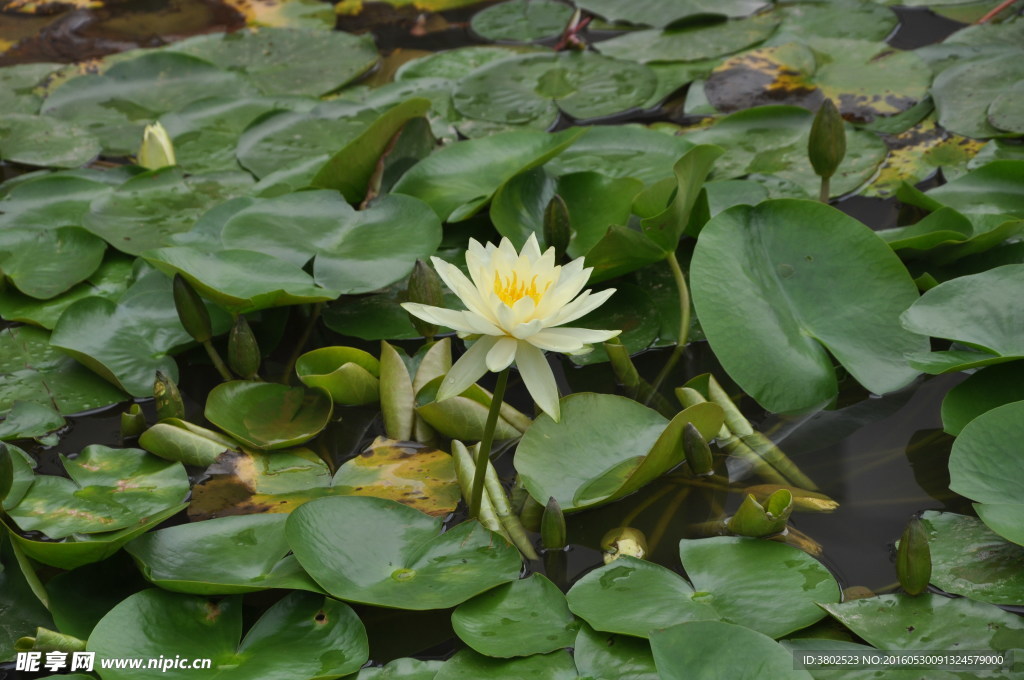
column 250, row 482
column 109, row 489
column 285, row 13
column 413, row 474
column 867, row 80
column 917, row 153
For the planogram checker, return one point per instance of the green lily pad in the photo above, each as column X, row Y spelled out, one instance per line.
column 376, row 317
column 29, row 419
column 982, row 392
column 468, row 665
column 221, row 556
column 660, row 13
column 985, row 466
column 226, row 277
column 383, row 553
column 205, row 133
column 740, row 572
column 23, row 612
column 45, row 263
column 905, row 622
column 247, row 482
column 866, row 80
column 407, row 472
column 146, row 210
column 33, row 370
column 17, row 85
column 606, row 656
column 452, row 64
column 460, row 179
column 690, row 43
column 401, row 669
column 969, row 559
column 109, row 489
column 634, row 597
column 1004, row 112
column 521, row 20
column 721, row 650
column 81, row 597
column 520, row 618
column 268, row 415
column 790, row 271
column 773, row 140
column 993, row 189
column 604, row 447
column 837, row 19
column 622, row 151
column 532, row 87
column 82, row 549
column 977, row 311
column 45, row 141
column 630, row 309
column 53, row 200
column 116, row 104
column 110, row 281
column 179, row 440
column 302, row 636
column 287, row 60
column 348, row 374
column 946, row 235
column 128, row 341
column 965, row 93
column 355, row 251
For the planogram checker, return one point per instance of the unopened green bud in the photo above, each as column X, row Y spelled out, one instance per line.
column 531, row 514
column 827, row 144
column 133, row 422
column 191, row 311
column 624, row 541
column 914, row 558
column 169, row 403
column 754, row 519
column 557, row 229
column 622, row 366
column 424, row 288
column 243, row 350
column 698, row 453
column 552, row 526
column 804, row 500
column 156, row 150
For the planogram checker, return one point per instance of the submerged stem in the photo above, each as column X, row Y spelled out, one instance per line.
column 684, row 326
column 218, row 363
column 286, row 374
column 483, row 455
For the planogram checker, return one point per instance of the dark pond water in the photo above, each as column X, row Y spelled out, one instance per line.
column 882, row 459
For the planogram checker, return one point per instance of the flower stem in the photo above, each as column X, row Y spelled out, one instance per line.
column 218, row 363
column 684, row 326
column 483, row 455
column 826, row 190
column 286, row 374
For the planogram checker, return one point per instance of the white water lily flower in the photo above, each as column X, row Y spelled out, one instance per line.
column 515, row 303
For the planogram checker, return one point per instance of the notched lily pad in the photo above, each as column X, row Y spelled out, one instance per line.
column 379, row 552
column 268, row 415
column 408, row 472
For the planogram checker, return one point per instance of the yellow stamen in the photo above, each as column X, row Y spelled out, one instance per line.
column 510, row 289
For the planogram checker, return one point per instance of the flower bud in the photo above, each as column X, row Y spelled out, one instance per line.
column 624, row 541
column 914, row 558
column 557, row 230
column 424, row 288
column 826, row 146
column 243, row 350
column 156, row 150
column 133, row 422
column 169, row 403
column 47, row 640
column 754, row 519
column 697, row 451
column 552, row 526
column 191, row 310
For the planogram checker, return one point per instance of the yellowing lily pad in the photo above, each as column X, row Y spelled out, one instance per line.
column 412, row 474
column 917, row 153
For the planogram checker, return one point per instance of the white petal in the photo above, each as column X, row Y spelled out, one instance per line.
column 463, row 287
column 568, row 340
column 467, row 370
column 502, row 354
column 539, row 379
column 525, row 330
column 581, row 306
column 532, row 248
column 461, row 321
